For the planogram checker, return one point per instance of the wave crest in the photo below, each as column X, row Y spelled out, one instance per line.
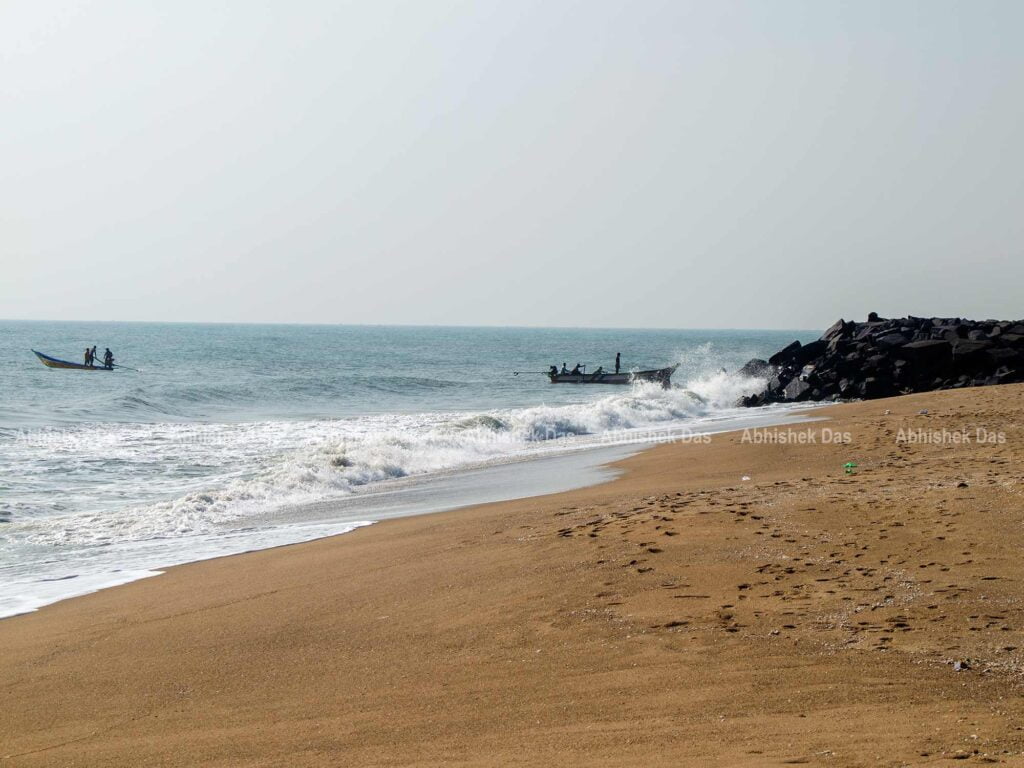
column 270, row 465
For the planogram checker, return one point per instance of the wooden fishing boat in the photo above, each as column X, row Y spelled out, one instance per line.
column 661, row 376
column 53, row 362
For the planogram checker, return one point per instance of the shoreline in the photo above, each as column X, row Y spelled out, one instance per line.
column 676, row 613
column 572, row 467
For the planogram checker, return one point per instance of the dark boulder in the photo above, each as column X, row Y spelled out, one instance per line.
column 757, row 369
column 876, row 361
column 797, row 390
column 838, row 329
column 866, row 331
column 810, row 352
column 785, row 355
column 893, row 340
column 876, row 386
column 969, row 356
column 927, row 352
column 1003, row 356
column 1005, row 375
column 964, row 348
column 838, row 346
column 779, row 381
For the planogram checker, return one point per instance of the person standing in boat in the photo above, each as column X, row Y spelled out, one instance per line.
column 108, row 358
column 618, row 360
column 92, row 356
column 88, row 357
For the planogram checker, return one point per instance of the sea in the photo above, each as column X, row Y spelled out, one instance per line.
column 218, row 438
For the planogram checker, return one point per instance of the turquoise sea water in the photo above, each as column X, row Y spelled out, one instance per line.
column 227, row 430
column 244, row 372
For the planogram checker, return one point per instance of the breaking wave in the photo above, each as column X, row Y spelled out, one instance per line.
column 240, row 472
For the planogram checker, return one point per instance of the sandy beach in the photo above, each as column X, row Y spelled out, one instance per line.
column 742, row 602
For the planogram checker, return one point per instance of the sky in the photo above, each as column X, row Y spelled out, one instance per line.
column 715, row 164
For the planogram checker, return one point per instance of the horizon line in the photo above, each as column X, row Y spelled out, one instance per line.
column 408, row 325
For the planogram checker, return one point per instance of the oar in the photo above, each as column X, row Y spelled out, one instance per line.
column 127, row 367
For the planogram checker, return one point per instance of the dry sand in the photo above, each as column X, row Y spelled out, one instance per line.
column 676, row 616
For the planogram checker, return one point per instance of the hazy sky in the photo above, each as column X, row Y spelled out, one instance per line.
column 632, row 163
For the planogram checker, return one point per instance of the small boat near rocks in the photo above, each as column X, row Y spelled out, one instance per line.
column 661, row 376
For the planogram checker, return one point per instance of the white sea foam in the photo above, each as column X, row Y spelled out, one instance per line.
column 143, row 496
column 245, row 470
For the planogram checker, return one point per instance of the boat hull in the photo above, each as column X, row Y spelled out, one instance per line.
column 53, row 362
column 661, row 376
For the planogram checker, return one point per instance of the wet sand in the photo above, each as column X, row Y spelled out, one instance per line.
column 679, row 615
